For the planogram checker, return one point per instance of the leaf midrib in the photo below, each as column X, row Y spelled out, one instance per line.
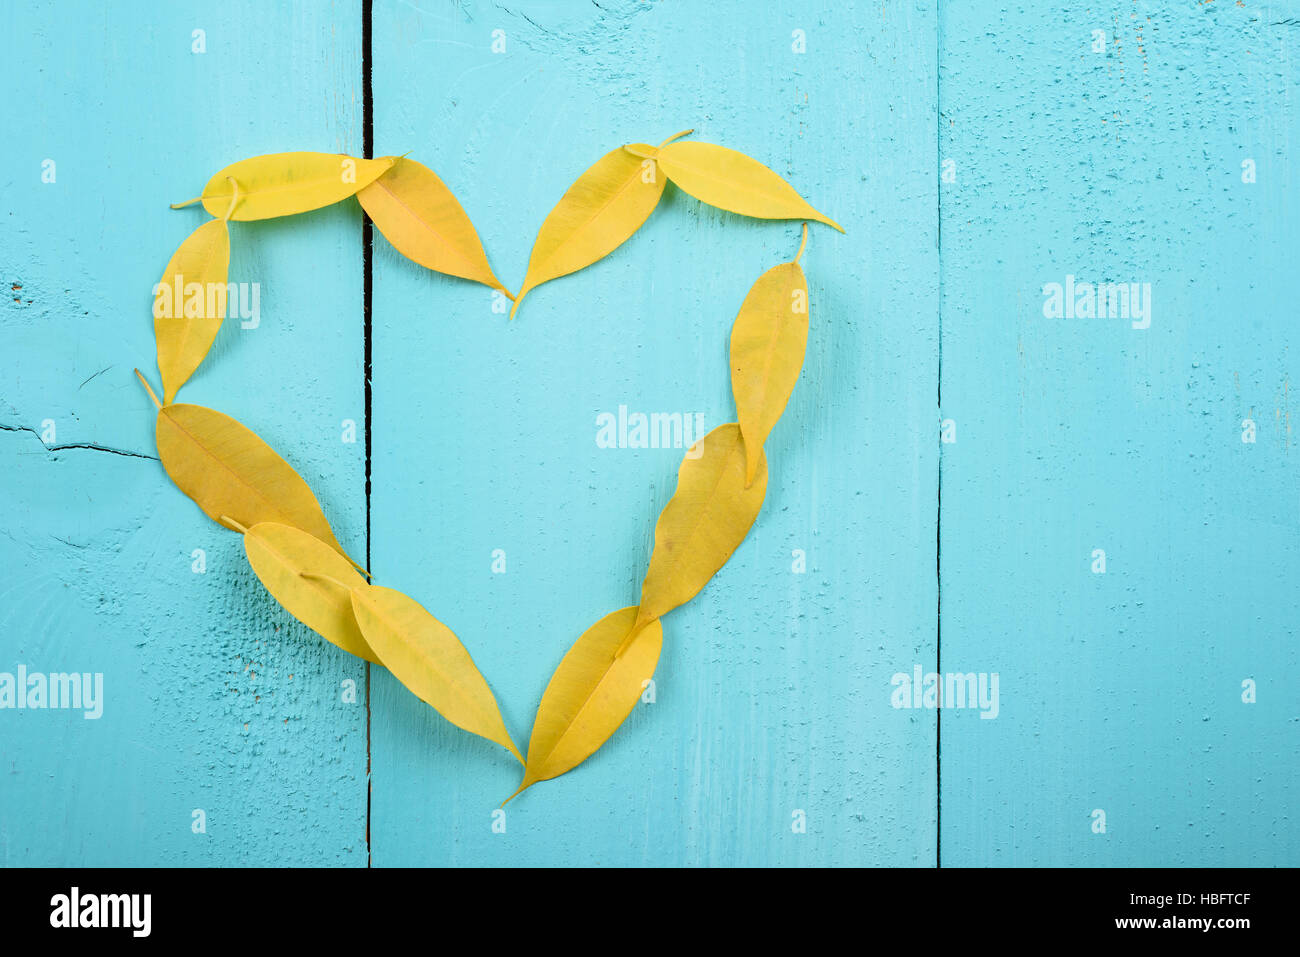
column 470, row 264
column 581, row 708
column 295, row 185
column 600, row 211
column 376, row 609
column 222, row 462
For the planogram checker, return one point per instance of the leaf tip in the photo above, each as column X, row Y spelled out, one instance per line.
column 522, row 787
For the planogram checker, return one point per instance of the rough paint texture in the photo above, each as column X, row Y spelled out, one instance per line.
column 1119, row 691
column 216, row 700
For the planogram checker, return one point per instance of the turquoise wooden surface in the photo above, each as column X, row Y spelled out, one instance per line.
column 484, row 436
column 215, row 700
column 1119, row 692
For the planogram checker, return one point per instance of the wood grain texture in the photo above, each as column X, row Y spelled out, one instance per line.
column 1120, row 691
column 769, row 696
column 215, row 698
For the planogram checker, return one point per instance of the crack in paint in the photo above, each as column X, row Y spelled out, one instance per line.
column 125, row 453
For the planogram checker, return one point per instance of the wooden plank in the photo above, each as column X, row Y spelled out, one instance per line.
column 1120, row 691
column 214, row 698
column 769, row 693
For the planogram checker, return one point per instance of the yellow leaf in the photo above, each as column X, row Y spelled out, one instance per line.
column 281, row 184
column 703, row 523
column 230, row 472
column 733, row 181
column 590, row 694
column 600, row 212
column 190, row 303
column 419, row 215
column 767, row 349
column 423, row 654
column 311, row 580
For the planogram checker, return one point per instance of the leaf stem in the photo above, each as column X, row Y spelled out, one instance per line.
column 188, row 202
column 676, row 137
column 231, row 523
column 234, row 198
column 801, row 247
column 145, row 382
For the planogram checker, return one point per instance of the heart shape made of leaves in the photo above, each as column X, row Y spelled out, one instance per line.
column 241, row 482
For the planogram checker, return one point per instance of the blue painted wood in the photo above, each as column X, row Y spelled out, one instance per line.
column 769, row 698
column 214, row 698
column 1120, row 692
